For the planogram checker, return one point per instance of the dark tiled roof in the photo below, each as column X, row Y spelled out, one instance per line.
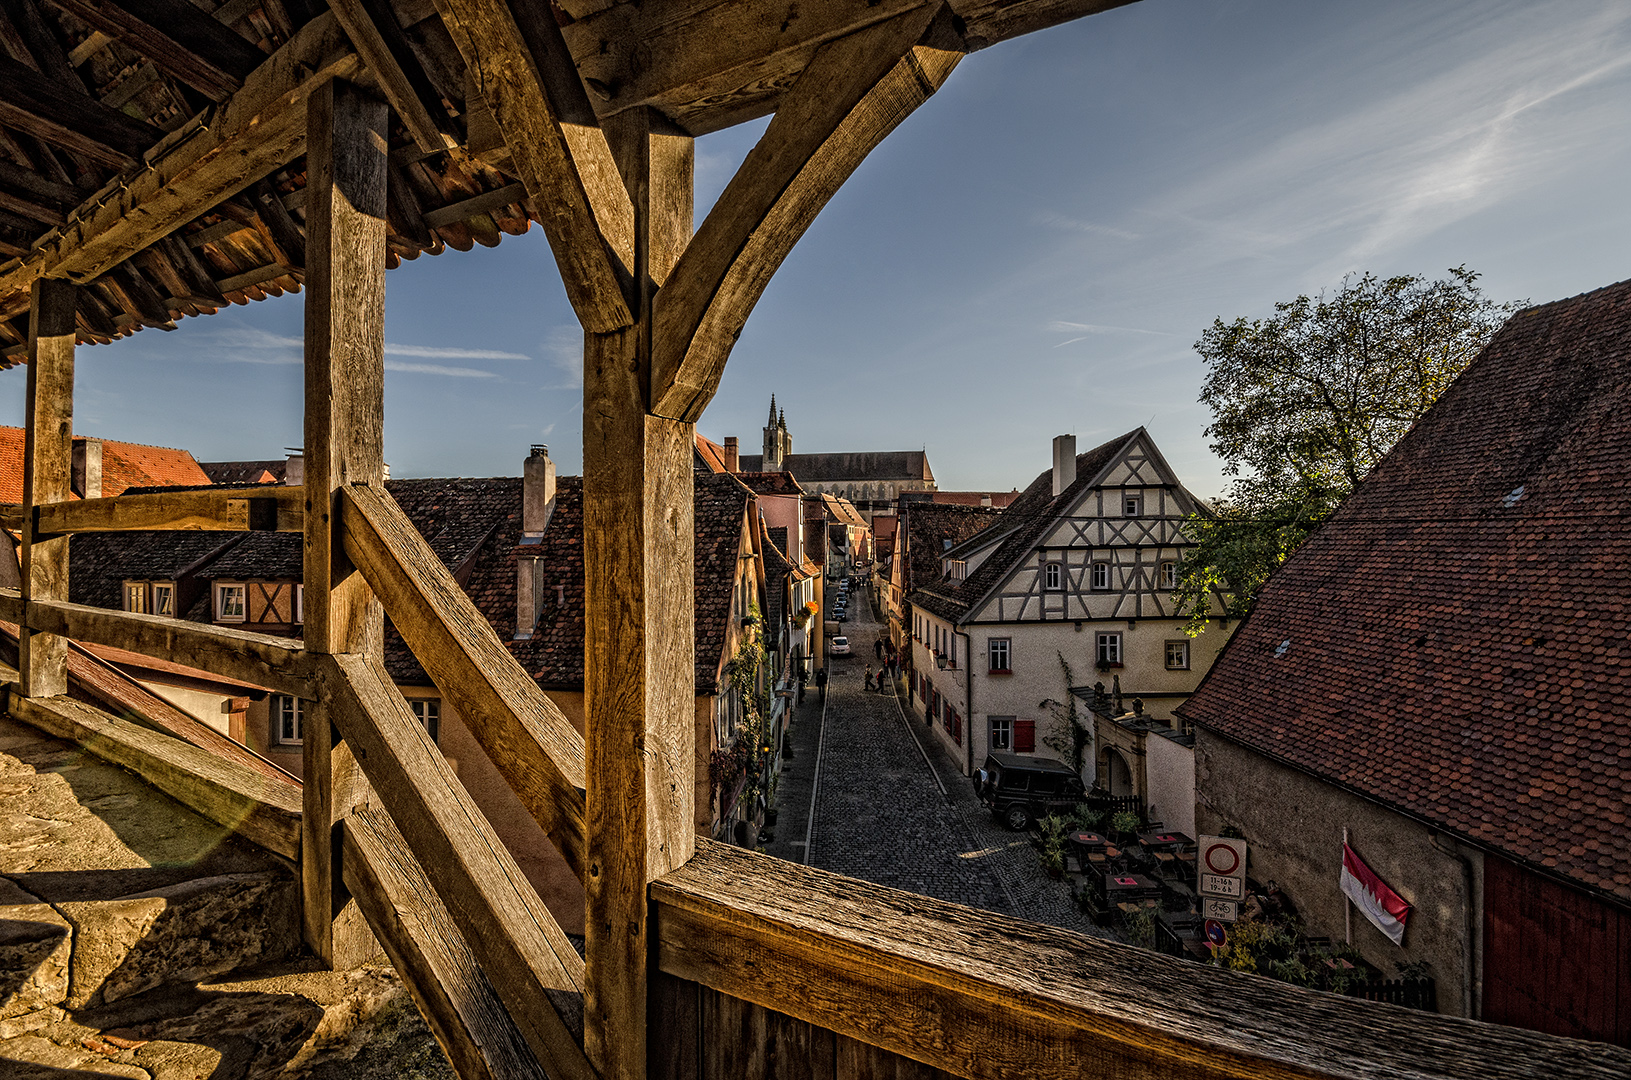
column 1025, row 520
column 100, row 563
column 245, row 472
column 770, row 483
column 721, row 508
column 258, row 555
column 832, row 468
column 929, row 526
column 1456, row 641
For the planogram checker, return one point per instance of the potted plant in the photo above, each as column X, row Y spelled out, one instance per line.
column 1124, row 824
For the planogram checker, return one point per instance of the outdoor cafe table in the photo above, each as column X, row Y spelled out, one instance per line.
column 1091, row 843
column 1164, row 840
column 1130, row 887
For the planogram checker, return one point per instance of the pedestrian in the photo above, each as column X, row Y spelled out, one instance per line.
column 821, row 684
column 869, row 676
column 877, row 648
column 801, row 691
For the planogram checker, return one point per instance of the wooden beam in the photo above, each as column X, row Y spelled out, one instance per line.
column 48, row 460
column 46, row 110
column 567, row 167
column 277, row 663
column 533, row 745
column 984, row 996
column 428, row 949
column 465, row 209
column 206, row 509
column 261, row 128
column 344, row 445
column 180, row 40
column 855, row 92
column 526, row 956
column 374, row 30
column 639, row 670
column 261, row 809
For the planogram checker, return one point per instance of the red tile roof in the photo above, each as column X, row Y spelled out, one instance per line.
column 1456, row 641
column 124, row 465
column 711, row 454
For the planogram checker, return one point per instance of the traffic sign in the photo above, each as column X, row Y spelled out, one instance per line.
column 1220, row 910
column 1216, row 935
column 1223, row 856
column 1218, row 885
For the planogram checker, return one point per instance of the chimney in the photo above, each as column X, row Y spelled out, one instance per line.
column 87, row 479
column 294, row 470
column 537, row 491
column 1064, row 462
column 985, row 500
column 732, row 459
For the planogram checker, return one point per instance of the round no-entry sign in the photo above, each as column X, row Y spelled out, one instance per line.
column 1222, row 857
column 1215, row 933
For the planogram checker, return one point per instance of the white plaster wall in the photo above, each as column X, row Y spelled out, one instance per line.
column 1169, row 769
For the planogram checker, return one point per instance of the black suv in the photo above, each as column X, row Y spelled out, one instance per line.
column 1019, row 790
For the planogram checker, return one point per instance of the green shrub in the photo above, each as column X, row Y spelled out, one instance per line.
column 1141, row 927
column 1125, row 822
column 1087, row 818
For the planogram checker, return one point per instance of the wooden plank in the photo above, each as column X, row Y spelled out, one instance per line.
column 856, row 91
column 206, row 509
column 180, row 40
column 525, row 955
column 465, row 209
column 567, row 169
column 533, row 745
column 256, row 807
column 261, row 128
column 750, row 1042
column 48, row 465
column 676, row 1038
column 373, row 29
column 46, row 110
column 347, row 132
column 427, row 948
column 260, row 275
column 984, row 996
column 277, row 663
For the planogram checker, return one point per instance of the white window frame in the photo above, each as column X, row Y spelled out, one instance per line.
column 1169, row 574
column 284, row 707
column 168, row 590
column 139, row 590
column 1101, row 577
column 428, row 711
column 1000, row 648
column 1180, row 651
column 1053, row 576
column 222, row 588
column 1000, row 732
column 1108, row 647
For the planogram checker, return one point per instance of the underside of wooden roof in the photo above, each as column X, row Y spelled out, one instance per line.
column 153, row 150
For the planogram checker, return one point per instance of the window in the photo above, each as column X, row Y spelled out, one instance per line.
column 1177, row 656
column 1101, row 576
column 428, row 711
column 959, row 569
column 1169, row 575
column 1110, row 649
column 1002, row 732
column 1052, row 576
column 1024, row 736
column 136, row 596
column 999, row 648
column 1132, row 505
column 954, row 724
column 164, row 598
column 288, row 719
column 229, row 603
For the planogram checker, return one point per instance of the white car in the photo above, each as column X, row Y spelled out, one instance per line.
column 839, row 647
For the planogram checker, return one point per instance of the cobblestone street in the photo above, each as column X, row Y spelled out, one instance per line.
column 892, row 807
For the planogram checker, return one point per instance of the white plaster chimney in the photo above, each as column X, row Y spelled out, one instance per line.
column 733, row 459
column 537, row 491
column 294, row 470
column 87, row 480
column 1064, row 462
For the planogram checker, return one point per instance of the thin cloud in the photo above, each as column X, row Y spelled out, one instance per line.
column 430, row 352
column 563, row 348
column 1088, row 329
column 1052, row 220
column 439, row 369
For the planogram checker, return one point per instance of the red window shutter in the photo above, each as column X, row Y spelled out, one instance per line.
column 1024, row 736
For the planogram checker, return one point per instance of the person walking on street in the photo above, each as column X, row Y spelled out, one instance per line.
column 877, row 648
column 869, row 676
column 821, row 684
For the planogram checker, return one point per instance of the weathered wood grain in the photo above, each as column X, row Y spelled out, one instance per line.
column 745, row 1041
column 260, row 809
column 47, row 110
column 980, row 995
column 567, row 168
column 180, row 40
column 528, row 738
column 856, row 91
column 207, row 509
column 516, row 941
column 373, row 29
column 428, row 949
column 48, row 461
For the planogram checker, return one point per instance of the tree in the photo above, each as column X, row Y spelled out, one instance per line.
column 1306, row 402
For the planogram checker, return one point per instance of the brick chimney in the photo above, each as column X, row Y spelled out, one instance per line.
column 1064, row 462
column 537, row 505
column 733, row 461
column 87, row 480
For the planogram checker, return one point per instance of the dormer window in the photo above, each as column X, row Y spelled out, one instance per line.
column 958, row 569
column 136, row 596
column 164, row 598
column 229, row 603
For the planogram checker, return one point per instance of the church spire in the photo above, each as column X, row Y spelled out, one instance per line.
column 772, row 410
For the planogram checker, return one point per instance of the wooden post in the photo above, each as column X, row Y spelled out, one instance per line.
column 345, row 381
column 48, row 458
column 639, row 668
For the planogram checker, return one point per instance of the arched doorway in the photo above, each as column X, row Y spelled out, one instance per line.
column 1118, row 778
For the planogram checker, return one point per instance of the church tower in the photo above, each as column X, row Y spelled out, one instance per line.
column 778, row 443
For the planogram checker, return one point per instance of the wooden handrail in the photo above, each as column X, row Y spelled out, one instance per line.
column 513, row 936
column 277, row 663
column 980, row 995
column 273, row 508
column 263, row 810
column 528, row 738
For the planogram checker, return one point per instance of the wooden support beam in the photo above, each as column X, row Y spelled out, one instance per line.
column 528, row 959
column 567, row 167
column 427, row 947
column 207, row 509
column 180, row 40
column 373, row 28
column 345, row 418
column 48, row 462
column 63, row 117
column 639, row 670
column 277, row 663
column 257, row 807
column 856, row 91
column 529, row 740
column 261, row 128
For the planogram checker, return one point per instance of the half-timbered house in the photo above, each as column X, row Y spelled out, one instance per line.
column 1070, row 587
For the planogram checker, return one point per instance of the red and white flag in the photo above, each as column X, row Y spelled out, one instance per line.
column 1385, row 908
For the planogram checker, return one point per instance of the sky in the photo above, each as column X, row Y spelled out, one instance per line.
column 1034, row 252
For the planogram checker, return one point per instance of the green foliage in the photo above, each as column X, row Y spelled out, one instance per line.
column 1416, row 970
column 1141, row 926
column 747, row 753
column 1305, row 403
column 1124, row 821
column 1067, row 736
column 1052, row 854
column 1258, row 946
column 1087, row 818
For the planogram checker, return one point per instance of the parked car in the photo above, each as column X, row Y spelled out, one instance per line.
column 841, row 615
column 838, row 647
column 1021, row 789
